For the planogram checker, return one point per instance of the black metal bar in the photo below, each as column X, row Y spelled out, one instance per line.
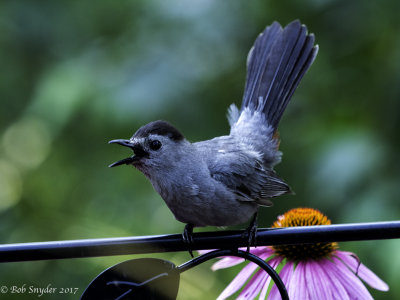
column 202, row 240
column 239, row 253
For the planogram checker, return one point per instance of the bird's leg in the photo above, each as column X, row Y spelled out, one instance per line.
column 251, row 233
column 187, row 237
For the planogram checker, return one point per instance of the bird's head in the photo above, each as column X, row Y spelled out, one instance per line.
column 156, row 145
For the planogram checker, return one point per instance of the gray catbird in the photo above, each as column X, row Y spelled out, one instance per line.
column 224, row 180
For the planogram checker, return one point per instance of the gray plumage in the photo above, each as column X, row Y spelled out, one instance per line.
column 224, row 180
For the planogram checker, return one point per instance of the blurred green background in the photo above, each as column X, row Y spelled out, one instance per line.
column 76, row 74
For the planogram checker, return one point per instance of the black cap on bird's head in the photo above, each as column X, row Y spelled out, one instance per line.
column 160, row 128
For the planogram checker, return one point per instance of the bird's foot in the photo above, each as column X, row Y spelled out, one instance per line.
column 187, row 237
column 251, row 233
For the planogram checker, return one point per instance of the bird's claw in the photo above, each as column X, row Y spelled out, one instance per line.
column 187, row 237
column 251, row 233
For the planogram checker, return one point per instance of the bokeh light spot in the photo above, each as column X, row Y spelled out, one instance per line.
column 27, row 142
column 10, row 185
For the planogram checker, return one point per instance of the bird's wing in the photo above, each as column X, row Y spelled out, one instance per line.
column 242, row 171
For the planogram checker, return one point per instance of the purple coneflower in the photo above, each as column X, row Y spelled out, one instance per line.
column 309, row 271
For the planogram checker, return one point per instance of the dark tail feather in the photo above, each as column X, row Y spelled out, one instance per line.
column 275, row 66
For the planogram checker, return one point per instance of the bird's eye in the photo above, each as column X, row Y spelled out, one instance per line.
column 155, row 145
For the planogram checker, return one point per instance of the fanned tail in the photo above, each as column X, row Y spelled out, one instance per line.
column 275, row 66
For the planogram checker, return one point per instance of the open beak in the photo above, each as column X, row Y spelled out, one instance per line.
column 137, row 149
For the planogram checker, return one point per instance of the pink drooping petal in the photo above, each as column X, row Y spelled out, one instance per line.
column 250, row 292
column 230, row 261
column 238, row 281
column 286, row 274
column 262, row 251
column 201, row 252
column 265, row 288
column 316, row 281
column 254, row 286
column 297, row 290
column 336, row 289
column 226, row 262
column 294, row 284
column 303, row 293
column 351, row 260
column 353, row 285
